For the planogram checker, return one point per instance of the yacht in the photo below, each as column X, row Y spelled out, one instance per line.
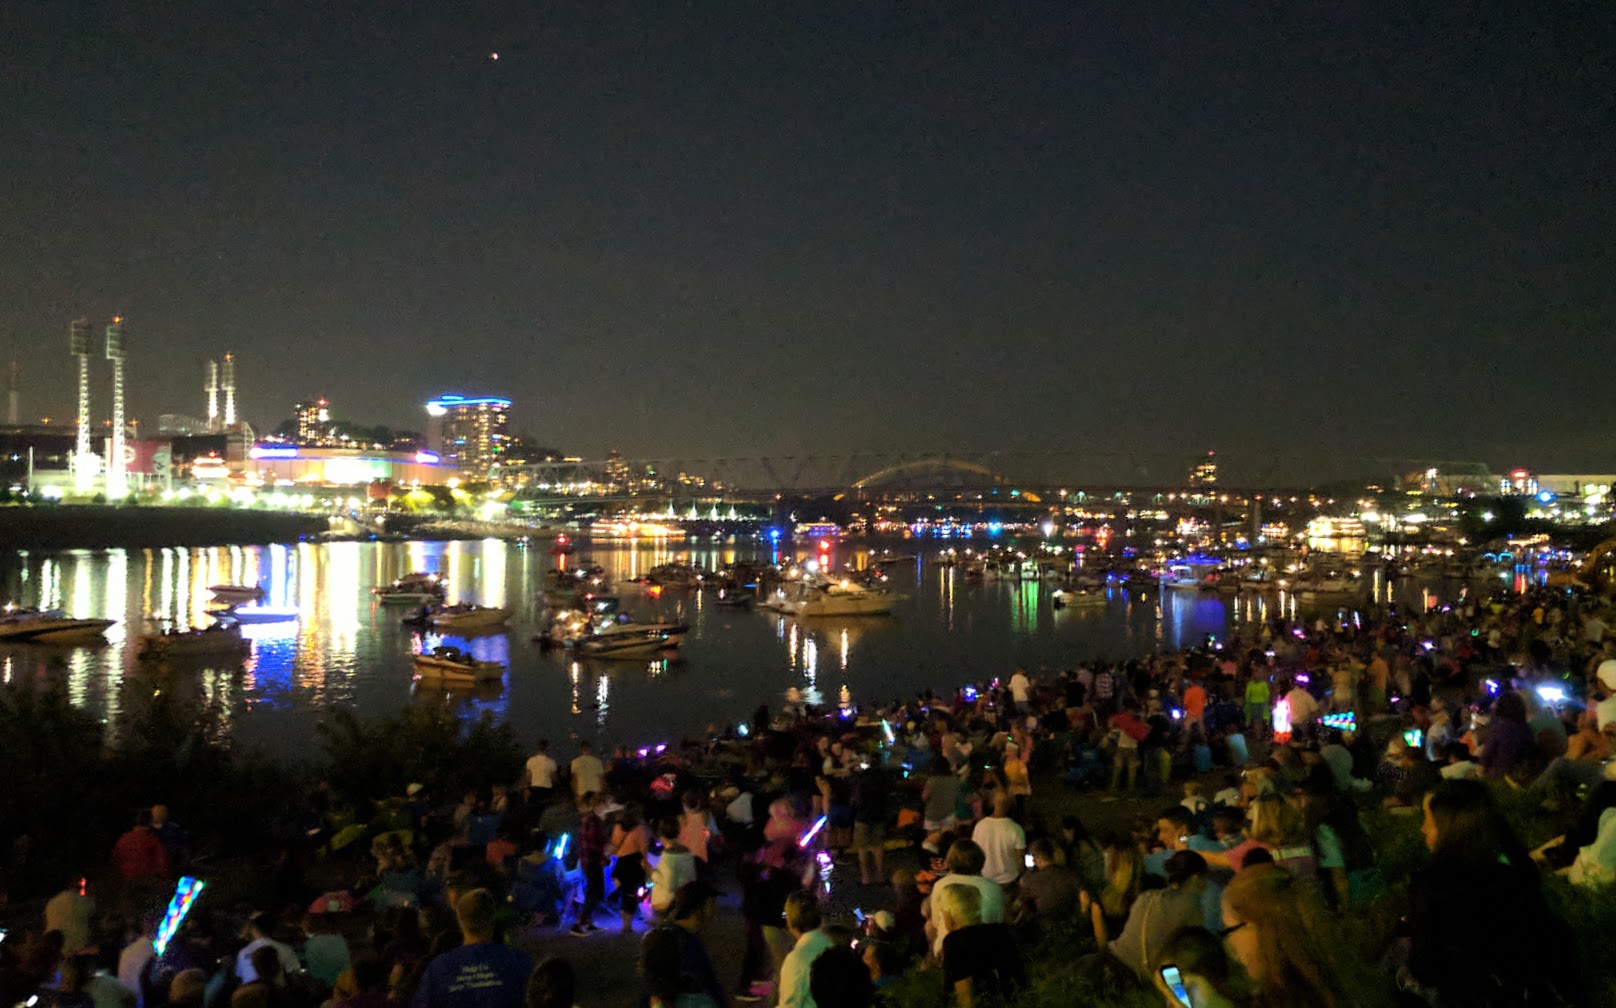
column 411, row 589
column 50, row 626
column 836, row 598
column 230, row 592
column 629, row 640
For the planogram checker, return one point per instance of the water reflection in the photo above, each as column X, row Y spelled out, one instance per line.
column 345, row 650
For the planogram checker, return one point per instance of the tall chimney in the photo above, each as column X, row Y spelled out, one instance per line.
column 210, row 385
column 227, row 379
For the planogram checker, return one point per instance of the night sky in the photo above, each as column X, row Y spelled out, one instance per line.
column 1307, row 235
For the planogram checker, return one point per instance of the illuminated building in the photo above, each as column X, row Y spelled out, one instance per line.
column 282, row 464
column 475, row 432
column 1205, row 472
column 313, row 420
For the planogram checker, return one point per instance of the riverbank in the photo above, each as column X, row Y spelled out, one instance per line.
column 101, row 526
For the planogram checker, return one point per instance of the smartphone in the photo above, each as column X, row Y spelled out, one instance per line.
column 1027, row 860
column 1175, row 983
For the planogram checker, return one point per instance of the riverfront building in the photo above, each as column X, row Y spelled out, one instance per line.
column 475, row 432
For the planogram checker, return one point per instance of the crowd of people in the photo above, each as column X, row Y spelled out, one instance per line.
column 1263, row 752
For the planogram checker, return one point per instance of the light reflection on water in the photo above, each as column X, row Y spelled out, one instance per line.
column 346, row 651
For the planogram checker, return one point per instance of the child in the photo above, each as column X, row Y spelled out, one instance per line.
column 674, row 868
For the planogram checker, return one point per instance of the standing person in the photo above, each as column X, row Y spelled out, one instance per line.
column 694, row 831
column 674, row 868
column 480, row 973
column 1127, row 731
column 1003, row 842
column 764, row 891
column 139, row 853
column 1257, row 697
column 541, row 773
column 71, row 912
column 592, row 854
column 869, row 795
column 1017, row 779
column 588, row 773
column 631, row 845
column 802, row 923
column 1194, row 709
column 176, row 844
column 939, row 795
column 1020, row 690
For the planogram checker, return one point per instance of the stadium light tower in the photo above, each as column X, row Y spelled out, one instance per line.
column 84, row 461
column 117, row 485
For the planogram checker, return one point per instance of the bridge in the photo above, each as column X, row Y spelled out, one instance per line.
column 1041, row 478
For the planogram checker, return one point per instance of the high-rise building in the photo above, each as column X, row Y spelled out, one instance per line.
column 313, row 420
column 1205, row 473
column 475, row 431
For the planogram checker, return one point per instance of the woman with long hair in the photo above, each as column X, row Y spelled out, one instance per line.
column 631, row 845
column 1124, row 872
column 1275, row 926
column 1511, row 949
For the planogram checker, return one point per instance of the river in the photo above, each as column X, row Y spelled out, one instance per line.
column 343, row 651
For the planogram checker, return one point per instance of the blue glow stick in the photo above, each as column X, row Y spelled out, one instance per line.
column 887, row 727
column 561, row 845
column 807, row 837
column 185, row 894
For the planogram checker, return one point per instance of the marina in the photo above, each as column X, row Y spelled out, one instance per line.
column 658, row 654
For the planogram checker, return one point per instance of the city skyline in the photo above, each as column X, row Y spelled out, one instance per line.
column 1309, row 238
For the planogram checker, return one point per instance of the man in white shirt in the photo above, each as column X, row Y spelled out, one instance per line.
column 1020, row 688
column 1003, row 842
column 541, row 771
column 802, row 923
column 965, row 862
column 588, row 774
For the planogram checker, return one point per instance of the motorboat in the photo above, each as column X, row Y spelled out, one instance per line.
column 1063, row 598
column 215, row 640
column 1329, row 583
column 628, row 640
column 450, row 665
column 835, row 598
column 467, row 617
column 230, row 592
column 50, row 626
column 1181, row 576
column 411, row 589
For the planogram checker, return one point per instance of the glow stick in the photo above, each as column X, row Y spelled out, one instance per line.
column 812, row 830
column 185, row 894
column 561, row 845
column 886, row 726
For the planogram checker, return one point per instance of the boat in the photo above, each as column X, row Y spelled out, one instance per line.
column 411, row 589
column 467, row 617
column 51, row 626
column 215, row 640
column 674, row 575
column 1063, row 598
column 836, row 598
column 260, row 614
column 1180, row 576
column 229, row 591
column 1330, row 583
column 628, row 640
column 450, row 665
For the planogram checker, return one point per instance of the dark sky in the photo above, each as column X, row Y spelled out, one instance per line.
column 1305, row 234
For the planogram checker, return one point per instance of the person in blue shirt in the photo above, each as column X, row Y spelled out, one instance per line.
column 480, row 973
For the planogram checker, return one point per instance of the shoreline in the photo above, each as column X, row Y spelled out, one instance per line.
column 105, row 526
